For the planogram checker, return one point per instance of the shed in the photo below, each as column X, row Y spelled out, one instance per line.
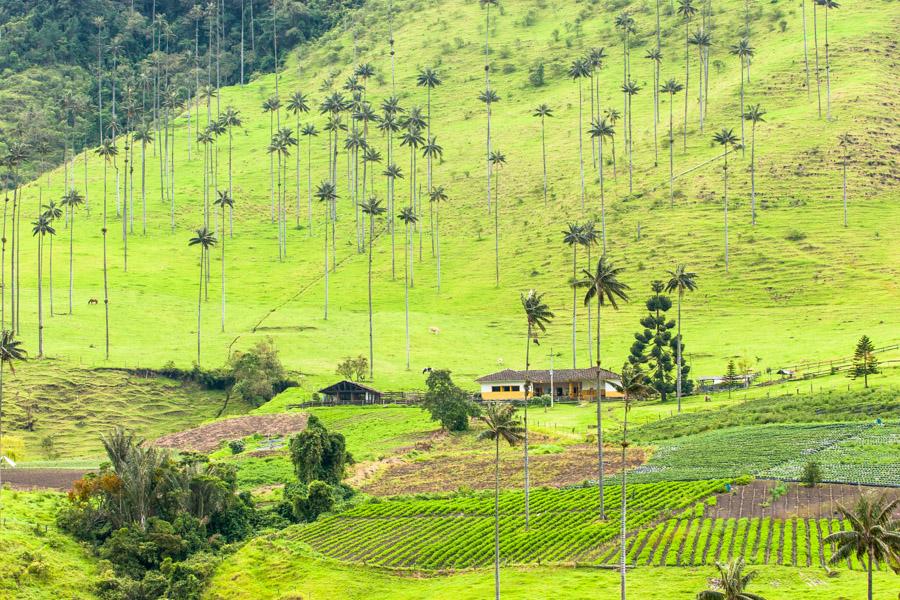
column 350, row 392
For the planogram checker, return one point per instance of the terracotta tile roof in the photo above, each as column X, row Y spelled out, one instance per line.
column 543, row 375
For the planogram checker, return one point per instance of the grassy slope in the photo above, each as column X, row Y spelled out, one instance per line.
column 70, row 569
column 274, row 567
column 784, row 301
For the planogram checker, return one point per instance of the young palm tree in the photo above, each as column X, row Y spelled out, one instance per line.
column 500, row 420
column 655, row 55
column 373, row 209
column 572, row 237
column 845, row 141
column 671, row 88
column 744, row 52
column 602, row 130
column 754, row 114
column 602, row 285
column 681, row 281
column 874, row 535
column 10, row 351
column 634, row 386
column 231, row 118
column 630, row 89
column 578, row 71
column 538, row 315
column 543, row 111
column 224, row 201
column 488, row 96
column 727, row 140
column 71, row 201
column 42, row 228
column 498, row 160
column 687, row 11
column 206, row 240
column 828, row 4
column 438, row 195
column 53, row 213
column 108, row 151
column 409, row 219
column 326, row 194
column 733, row 583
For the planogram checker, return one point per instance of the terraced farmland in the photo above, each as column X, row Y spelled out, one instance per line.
column 457, row 532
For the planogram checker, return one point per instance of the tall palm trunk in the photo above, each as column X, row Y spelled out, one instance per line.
column 588, row 328
column 309, row 183
column 687, row 81
column 487, row 88
column 753, row 173
column 844, row 185
column 600, row 386
column 580, row 143
column 327, row 204
column 40, row 295
column 622, row 516
column 200, row 300
column 497, row 230
column 105, row 269
column 71, row 253
column 816, row 45
column 574, row 304
column 223, row 266
column 297, row 207
column 544, row 158
column 527, row 386
column 743, row 145
column 671, row 152
column 437, row 231
column 805, row 51
column 406, row 288
column 50, row 277
column 497, row 520
column 725, row 204
column 827, row 71
column 231, row 191
column 602, row 195
column 678, row 375
column 371, row 328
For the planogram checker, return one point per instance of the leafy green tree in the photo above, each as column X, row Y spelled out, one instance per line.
column 874, row 535
column 206, row 240
column 864, row 361
column 680, row 280
column 318, row 454
column 812, row 474
column 501, row 423
column 733, row 583
column 537, row 315
column 732, row 377
column 319, row 499
column 447, row 403
column 603, row 286
column 11, row 351
column 542, row 112
column 257, row 373
column 653, row 345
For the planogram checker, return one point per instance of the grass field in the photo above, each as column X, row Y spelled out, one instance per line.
column 777, row 303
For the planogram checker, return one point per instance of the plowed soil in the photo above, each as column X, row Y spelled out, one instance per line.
column 41, row 479
column 210, row 436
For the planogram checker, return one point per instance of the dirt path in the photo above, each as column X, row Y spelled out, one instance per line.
column 210, row 436
column 42, row 479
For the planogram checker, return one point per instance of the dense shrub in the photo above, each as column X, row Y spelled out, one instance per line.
column 318, row 454
column 447, row 403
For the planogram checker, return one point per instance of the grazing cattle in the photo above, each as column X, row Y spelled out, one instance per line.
column 93, row 301
column 434, row 330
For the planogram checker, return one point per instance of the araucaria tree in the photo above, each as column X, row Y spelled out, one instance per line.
column 372, row 209
column 543, row 111
column 603, row 287
column 41, row 228
column 864, row 361
column 671, row 87
column 682, row 281
column 206, row 240
column 654, row 345
column 754, row 114
column 537, row 315
column 727, row 140
column 874, row 535
column 501, row 424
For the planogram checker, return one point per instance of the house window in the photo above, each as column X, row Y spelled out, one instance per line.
column 495, row 388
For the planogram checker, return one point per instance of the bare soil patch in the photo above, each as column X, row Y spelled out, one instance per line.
column 208, row 437
column 809, row 503
column 42, row 479
column 475, row 470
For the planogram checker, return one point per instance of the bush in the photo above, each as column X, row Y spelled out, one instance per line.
column 318, row 454
column 319, row 499
column 258, row 374
column 812, row 474
column 448, row 403
column 236, row 446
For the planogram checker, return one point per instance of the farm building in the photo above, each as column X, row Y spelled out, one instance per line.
column 350, row 392
column 561, row 384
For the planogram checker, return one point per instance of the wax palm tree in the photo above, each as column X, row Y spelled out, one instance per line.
column 431, row 150
column 589, row 240
column 845, row 141
column 309, row 131
column 10, row 351
column 53, row 213
column 71, row 200
column 144, row 135
column 754, row 114
column 805, row 51
column 500, row 420
column 326, row 193
column 224, row 201
column 572, row 237
column 630, row 89
column 108, row 151
column 612, row 115
column 682, row 281
column 744, row 52
column 231, row 118
column 634, row 386
column 671, row 87
column 498, row 160
column 655, row 55
column 603, row 286
column 488, row 96
column 437, row 196
column 42, row 227
column 874, row 535
column 537, row 315
column 429, row 79
column 687, row 11
column 298, row 105
column 392, row 172
column 595, row 58
column 373, row 209
column 624, row 22
column 271, row 106
column 578, row 71
column 829, row 5
column 727, row 140
column 702, row 40
column 816, row 47
column 413, row 139
column 733, row 583
column 408, row 217
column 543, row 111
column 206, row 240
column 602, row 130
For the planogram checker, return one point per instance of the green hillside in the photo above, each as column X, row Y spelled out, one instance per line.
column 800, row 286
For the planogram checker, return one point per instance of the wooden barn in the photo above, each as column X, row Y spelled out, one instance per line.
column 350, row 392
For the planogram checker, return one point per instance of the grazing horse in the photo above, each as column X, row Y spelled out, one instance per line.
column 93, row 301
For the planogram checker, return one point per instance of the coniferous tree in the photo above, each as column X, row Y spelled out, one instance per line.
column 864, row 361
column 654, row 347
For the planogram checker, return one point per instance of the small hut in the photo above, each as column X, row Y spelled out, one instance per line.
column 350, row 392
